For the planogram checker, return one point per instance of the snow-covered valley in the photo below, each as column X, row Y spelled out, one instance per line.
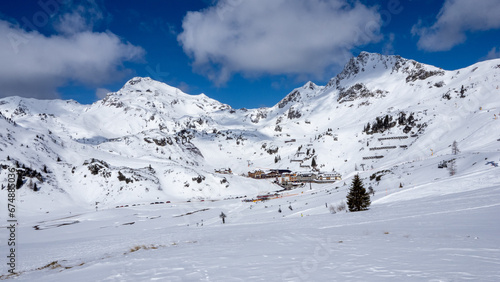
column 444, row 231
column 126, row 188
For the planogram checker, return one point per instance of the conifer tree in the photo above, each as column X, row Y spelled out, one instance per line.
column 386, row 122
column 358, row 199
column 19, row 181
column 462, row 92
column 452, row 167
column 454, row 148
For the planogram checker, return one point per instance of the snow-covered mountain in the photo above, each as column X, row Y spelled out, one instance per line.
column 150, row 141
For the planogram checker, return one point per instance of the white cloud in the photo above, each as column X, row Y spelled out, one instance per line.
column 35, row 65
column 388, row 48
column 493, row 54
column 184, row 87
column 276, row 37
column 456, row 18
column 82, row 17
column 101, row 93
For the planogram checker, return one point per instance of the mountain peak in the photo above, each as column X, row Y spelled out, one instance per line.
column 366, row 60
column 310, row 89
column 137, row 80
column 310, row 85
column 138, row 84
column 147, row 94
column 374, row 65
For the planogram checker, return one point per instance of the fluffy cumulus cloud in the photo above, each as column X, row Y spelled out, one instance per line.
column 456, row 18
column 300, row 37
column 35, row 65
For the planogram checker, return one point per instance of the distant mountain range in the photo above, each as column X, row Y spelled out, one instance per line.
column 150, row 141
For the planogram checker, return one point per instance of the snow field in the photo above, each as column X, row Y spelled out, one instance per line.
column 440, row 235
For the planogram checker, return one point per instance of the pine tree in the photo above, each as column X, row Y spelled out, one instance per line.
column 313, row 163
column 402, row 119
column 358, row 199
column 411, row 119
column 462, row 92
column 454, row 148
column 367, row 128
column 19, row 181
column 277, row 159
column 375, row 127
column 452, row 167
column 386, row 122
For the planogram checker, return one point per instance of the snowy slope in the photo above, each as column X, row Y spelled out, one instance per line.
column 147, row 154
column 149, row 141
column 445, row 230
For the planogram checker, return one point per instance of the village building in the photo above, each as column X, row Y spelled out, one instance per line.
column 272, row 173
column 224, row 171
column 258, row 174
column 306, row 176
column 328, row 177
column 278, row 172
column 287, row 178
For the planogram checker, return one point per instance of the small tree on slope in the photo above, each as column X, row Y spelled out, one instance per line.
column 454, row 148
column 358, row 199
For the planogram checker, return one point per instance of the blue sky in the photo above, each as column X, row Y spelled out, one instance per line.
column 246, row 53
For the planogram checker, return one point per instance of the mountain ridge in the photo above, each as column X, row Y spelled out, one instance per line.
column 149, row 140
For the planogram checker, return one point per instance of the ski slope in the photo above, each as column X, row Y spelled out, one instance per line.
column 444, row 231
